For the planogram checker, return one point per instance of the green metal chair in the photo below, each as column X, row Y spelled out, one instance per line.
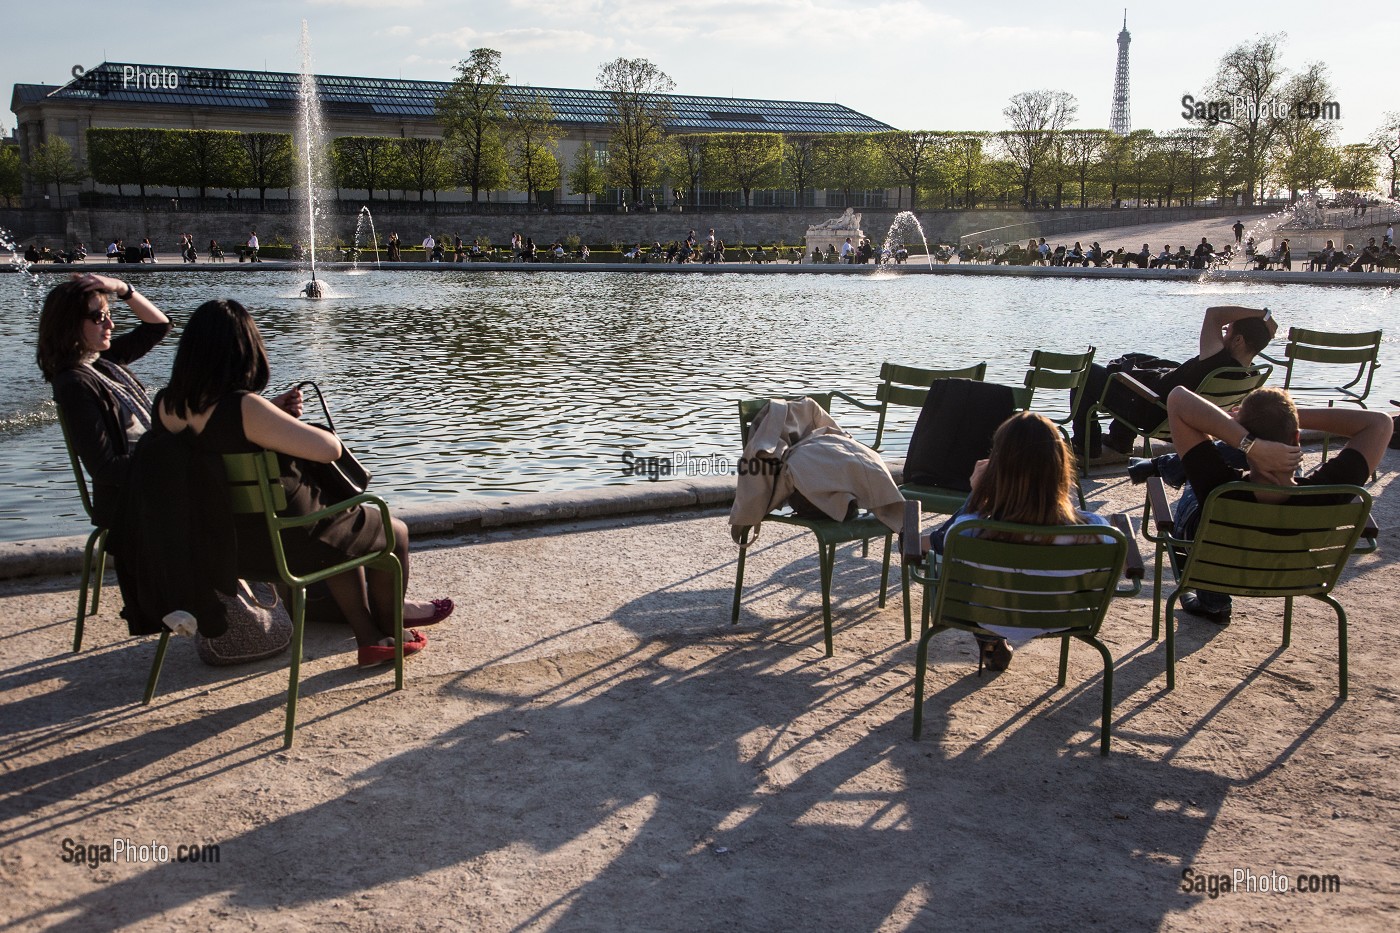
column 1249, row 548
column 907, row 386
column 1355, row 356
column 1027, row 583
column 829, row 533
column 254, row 489
column 1225, row 387
column 1057, row 372
column 95, row 553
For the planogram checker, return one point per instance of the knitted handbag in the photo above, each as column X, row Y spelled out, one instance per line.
column 259, row 627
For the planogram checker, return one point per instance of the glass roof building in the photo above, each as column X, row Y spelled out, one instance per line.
column 118, row 94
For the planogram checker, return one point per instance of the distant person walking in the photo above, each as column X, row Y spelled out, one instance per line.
column 253, row 246
column 429, row 244
column 1239, row 232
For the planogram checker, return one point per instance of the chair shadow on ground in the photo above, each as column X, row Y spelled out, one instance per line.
column 735, row 782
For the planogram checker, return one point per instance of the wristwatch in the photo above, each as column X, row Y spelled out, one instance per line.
column 1246, row 443
column 129, row 290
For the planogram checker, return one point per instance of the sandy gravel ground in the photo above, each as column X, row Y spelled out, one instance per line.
column 589, row 745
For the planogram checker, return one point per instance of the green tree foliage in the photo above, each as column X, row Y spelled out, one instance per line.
column 1356, row 168
column 472, row 112
column 266, row 160
column 799, row 169
column 531, row 134
column 686, row 163
column 204, row 159
column 969, row 165
column 1083, row 149
column 1033, row 118
column 52, row 163
column 367, row 162
column 422, row 166
column 11, row 178
column 1249, row 74
column 640, row 114
column 1386, row 139
column 586, row 173
column 913, row 159
column 1304, row 149
column 128, row 156
column 847, row 162
column 746, row 161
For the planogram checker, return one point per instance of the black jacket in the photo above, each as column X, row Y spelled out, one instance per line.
column 94, row 417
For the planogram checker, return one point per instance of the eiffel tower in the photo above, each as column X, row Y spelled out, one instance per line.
column 1121, row 121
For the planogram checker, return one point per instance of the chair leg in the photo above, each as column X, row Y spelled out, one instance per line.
column 83, row 590
column 1157, row 594
column 1171, row 638
column 294, row 674
column 739, row 576
column 1107, row 721
column 1287, row 621
column 1064, row 660
column 885, row 572
column 826, row 553
column 1341, row 643
column 101, row 555
column 397, row 570
column 908, row 610
column 155, row 667
column 920, row 669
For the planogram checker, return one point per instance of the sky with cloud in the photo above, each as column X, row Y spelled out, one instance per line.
column 911, row 63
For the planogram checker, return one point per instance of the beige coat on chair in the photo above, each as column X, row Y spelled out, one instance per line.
column 797, row 445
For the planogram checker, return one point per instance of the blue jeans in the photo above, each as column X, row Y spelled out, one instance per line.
column 1185, row 521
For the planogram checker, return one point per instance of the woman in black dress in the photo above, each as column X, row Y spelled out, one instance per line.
column 220, row 366
column 105, row 406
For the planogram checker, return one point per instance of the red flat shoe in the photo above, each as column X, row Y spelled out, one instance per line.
column 383, row 653
column 442, row 608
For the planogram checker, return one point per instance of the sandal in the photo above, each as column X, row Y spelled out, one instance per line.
column 383, row 652
column 442, row 608
column 994, row 653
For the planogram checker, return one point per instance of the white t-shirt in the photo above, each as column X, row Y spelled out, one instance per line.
column 253, row 241
column 429, row 243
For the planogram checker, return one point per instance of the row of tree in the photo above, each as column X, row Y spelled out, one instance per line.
column 498, row 137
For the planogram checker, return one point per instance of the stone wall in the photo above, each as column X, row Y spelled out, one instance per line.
column 96, row 226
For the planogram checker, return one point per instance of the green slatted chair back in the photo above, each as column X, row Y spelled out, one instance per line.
column 1058, row 372
column 95, row 552
column 908, row 386
column 1296, row 548
column 1311, row 355
column 248, row 475
column 1027, row 582
column 1225, row 387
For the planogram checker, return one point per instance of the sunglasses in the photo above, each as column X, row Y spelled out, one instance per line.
column 100, row 317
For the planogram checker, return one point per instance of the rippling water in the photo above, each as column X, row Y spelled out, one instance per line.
column 450, row 384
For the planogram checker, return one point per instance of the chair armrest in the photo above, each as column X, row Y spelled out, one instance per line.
column 280, row 524
column 1133, row 568
column 1370, row 537
column 864, row 406
column 1145, row 395
column 911, row 545
column 1158, row 511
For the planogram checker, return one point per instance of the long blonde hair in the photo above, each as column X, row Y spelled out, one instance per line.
column 1029, row 475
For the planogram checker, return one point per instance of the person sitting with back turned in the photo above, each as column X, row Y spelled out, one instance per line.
column 1028, row 478
column 1231, row 336
column 1266, row 428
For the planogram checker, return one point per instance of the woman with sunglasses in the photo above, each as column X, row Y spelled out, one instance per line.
column 105, row 406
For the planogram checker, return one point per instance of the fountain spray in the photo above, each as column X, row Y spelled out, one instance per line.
column 310, row 113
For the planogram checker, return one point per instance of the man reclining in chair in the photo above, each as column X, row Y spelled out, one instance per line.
column 1266, row 428
column 1230, row 336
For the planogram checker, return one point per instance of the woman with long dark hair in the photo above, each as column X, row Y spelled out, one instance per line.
column 1028, row 478
column 220, row 367
column 105, row 407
